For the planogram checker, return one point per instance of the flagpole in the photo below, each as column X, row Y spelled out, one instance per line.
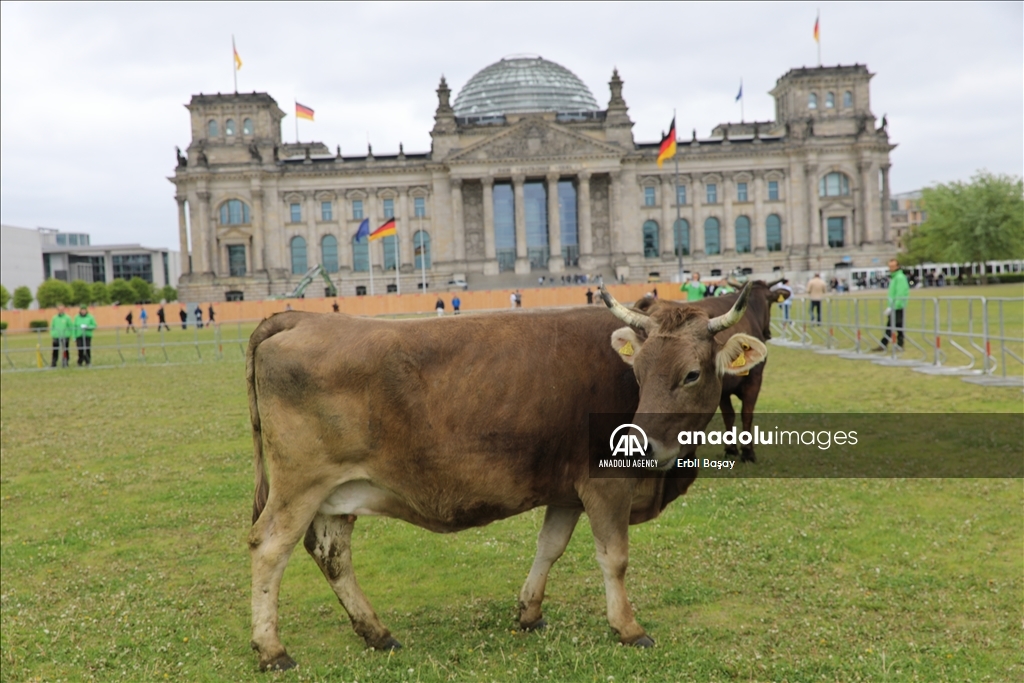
column 817, row 25
column 398, row 282
column 742, row 117
column 234, row 62
column 679, row 215
column 369, row 257
column 296, row 122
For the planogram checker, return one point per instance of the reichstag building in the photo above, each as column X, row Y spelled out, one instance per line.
column 527, row 174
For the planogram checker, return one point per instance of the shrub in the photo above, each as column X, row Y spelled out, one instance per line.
column 38, row 324
column 5, row 296
column 3, row 324
column 121, row 292
column 143, row 290
column 23, row 298
column 81, row 293
column 169, row 294
column 53, row 292
column 99, row 293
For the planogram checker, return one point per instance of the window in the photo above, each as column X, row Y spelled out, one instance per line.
column 649, row 196
column 812, row 101
column 535, row 199
column 389, row 208
column 298, row 249
column 847, row 99
column 773, row 232
column 741, row 192
column 894, row 205
column 390, row 245
column 247, row 127
column 211, row 129
column 830, row 100
column 357, row 209
column 421, row 249
column 650, row 239
column 682, row 235
column 72, row 240
column 742, row 235
column 711, row 231
column 712, row 192
column 360, row 256
column 127, row 266
column 326, row 213
column 419, row 207
column 834, row 184
column 296, row 212
column 504, row 226
column 62, row 240
column 234, row 212
column 773, row 190
column 229, row 127
column 236, row 260
column 234, row 295
column 836, row 230
column 681, row 194
column 329, row 253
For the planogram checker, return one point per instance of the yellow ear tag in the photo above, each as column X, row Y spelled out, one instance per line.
column 782, row 297
column 740, row 361
column 627, row 349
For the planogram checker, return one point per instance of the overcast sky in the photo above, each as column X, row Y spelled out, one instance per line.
column 91, row 96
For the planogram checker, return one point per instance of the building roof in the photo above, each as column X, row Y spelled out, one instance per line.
column 520, row 84
column 243, row 97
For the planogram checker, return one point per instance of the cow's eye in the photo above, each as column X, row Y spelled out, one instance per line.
column 691, row 377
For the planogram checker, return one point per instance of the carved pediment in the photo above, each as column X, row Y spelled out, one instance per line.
column 237, row 232
column 535, row 140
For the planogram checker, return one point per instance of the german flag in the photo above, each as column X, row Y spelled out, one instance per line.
column 383, row 231
column 667, row 148
column 303, row 112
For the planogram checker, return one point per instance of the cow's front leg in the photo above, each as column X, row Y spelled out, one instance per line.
column 559, row 524
column 729, row 417
column 749, row 398
column 329, row 541
column 609, row 520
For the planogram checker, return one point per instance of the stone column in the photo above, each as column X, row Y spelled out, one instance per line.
column 490, row 253
column 586, row 233
column 697, row 226
column 886, row 217
column 312, row 243
column 458, row 225
column 202, row 245
column 556, row 264
column 522, row 260
column 370, row 208
column 727, row 236
column 667, row 234
column 186, row 266
column 616, row 240
column 813, row 217
column 256, row 258
column 404, row 236
column 758, row 238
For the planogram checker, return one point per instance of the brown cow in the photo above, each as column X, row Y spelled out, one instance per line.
column 450, row 423
column 757, row 323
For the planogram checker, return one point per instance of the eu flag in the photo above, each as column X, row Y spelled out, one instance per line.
column 364, row 230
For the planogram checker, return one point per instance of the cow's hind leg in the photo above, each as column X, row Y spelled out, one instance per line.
column 559, row 524
column 329, row 541
column 729, row 417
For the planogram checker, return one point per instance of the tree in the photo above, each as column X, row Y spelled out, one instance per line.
column 169, row 294
column 22, row 297
column 99, row 294
column 974, row 222
column 5, row 296
column 54, row 292
column 143, row 290
column 81, row 293
column 121, row 292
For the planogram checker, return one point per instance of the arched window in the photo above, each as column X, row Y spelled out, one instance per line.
column 421, row 247
column 847, row 99
column 234, row 212
column 773, row 232
column 830, row 100
column 247, row 127
column 229, row 127
column 329, row 253
column 812, row 101
column 834, row 184
column 298, row 249
column 650, row 239
column 712, row 245
column 682, row 235
column 742, row 235
column 211, row 129
column 360, row 255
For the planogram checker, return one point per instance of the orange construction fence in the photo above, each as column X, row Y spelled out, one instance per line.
column 379, row 304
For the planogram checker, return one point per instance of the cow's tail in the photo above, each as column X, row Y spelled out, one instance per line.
column 266, row 329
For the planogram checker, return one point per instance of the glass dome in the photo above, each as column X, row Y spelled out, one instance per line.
column 520, row 84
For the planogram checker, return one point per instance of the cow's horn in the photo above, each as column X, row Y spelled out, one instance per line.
column 734, row 283
column 727, row 320
column 771, row 284
column 631, row 318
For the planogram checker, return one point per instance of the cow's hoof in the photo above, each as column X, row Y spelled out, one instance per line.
column 731, row 450
column 535, row 626
column 748, row 456
column 282, row 662
column 643, row 641
column 389, row 645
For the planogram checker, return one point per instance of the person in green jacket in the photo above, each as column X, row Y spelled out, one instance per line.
column 60, row 333
column 84, row 324
column 899, row 292
column 694, row 288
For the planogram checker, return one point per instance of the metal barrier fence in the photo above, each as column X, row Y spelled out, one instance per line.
column 980, row 339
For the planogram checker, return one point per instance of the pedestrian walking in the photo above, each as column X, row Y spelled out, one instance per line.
column 143, row 317
column 335, row 306
column 816, row 290
column 519, row 299
column 456, row 304
column 590, row 296
column 199, row 317
column 83, row 326
column 60, row 334
column 899, row 292
column 439, row 307
column 161, row 317
column 512, row 300
column 209, row 310
column 183, row 314
column 130, row 318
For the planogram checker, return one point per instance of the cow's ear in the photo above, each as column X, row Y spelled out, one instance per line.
column 626, row 344
column 644, row 304
column 740, row 355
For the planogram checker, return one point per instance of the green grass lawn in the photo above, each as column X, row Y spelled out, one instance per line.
column 125, row 496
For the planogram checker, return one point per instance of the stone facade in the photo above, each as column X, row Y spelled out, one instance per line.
column 808, row 190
